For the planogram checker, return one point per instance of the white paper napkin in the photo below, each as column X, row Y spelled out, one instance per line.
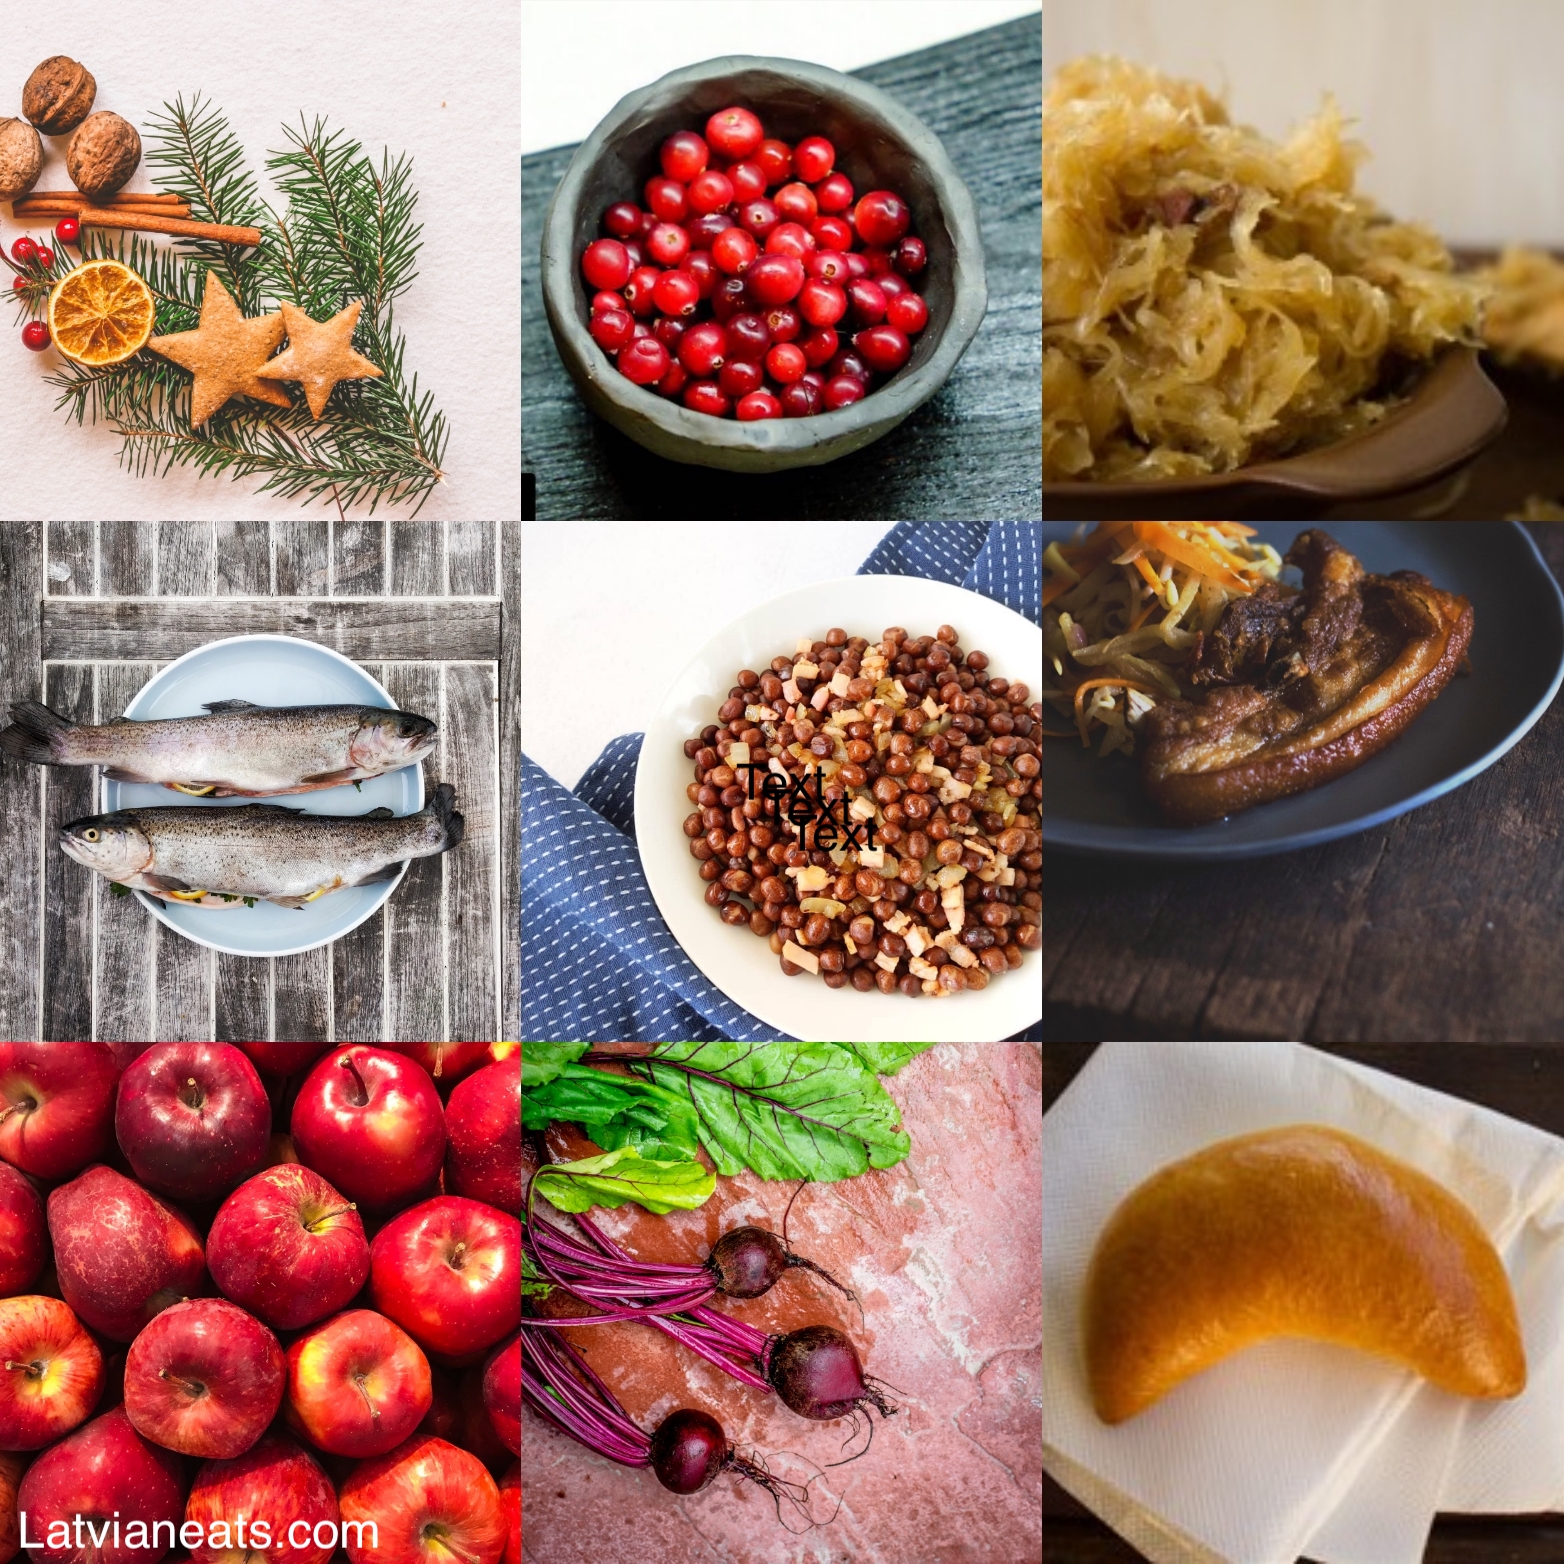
column 1288, row 1447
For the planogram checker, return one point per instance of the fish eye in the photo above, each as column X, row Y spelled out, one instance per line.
column 409, row 729
column 90, row 834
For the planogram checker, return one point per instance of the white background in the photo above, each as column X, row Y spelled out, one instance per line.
column 437, row 82
column 612, row 610
column 579, row 57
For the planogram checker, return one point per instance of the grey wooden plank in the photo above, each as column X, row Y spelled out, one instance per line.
column 417, row 558
column 510, row 780
column 472, row 869
column 110, row 629
column 358, row 558
column 303, row 990
column 414, row 933
column 21, row 587
column 471, row 552
column 125, row 555
column 67, row 886
column 244, row 559
column 183, row 987
column 358, row 968
column 185, row 564
column 303, row 551
column 244, row 996
column 124, row 939
column 73, row 559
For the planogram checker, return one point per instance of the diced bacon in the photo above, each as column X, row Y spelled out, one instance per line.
column 804, row 669
column 801, row 957
column 886, row 963
column 840, row 683
column 820, row 697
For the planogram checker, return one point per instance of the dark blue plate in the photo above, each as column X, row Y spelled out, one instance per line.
column 1517, row 656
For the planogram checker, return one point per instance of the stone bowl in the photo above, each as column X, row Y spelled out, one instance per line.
column 879, row 145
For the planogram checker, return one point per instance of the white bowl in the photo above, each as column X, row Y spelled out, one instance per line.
column 739, row 963
column 271, row 670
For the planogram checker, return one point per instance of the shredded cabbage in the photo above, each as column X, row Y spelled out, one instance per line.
column 1525, row 318
column 1211, row 298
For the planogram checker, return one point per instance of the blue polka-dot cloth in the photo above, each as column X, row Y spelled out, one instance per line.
column 600, row 962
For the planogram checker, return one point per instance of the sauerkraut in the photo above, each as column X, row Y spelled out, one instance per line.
column 1525, row 319
column 1212, row 298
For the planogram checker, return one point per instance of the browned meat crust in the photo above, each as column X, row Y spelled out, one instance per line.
column 1298, row 689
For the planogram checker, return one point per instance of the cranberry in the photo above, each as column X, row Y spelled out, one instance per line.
column 749, row 180
column 867, row 301
column 776, row 161
column 649, row 220
column 666, row 199
column 800, row 400
column 881, row 217
column 612, row 329
column 705, row 396
column 748, row 338
column 820, row 346
column 834, row 194
column 738, row 377
column 735, row 133
column 35, row 335
column 704, row 229
column 786, row 363
column 641, row 330
column 683, row 155
column 710, row 192
column 729, row 298
column 848, row 363
column 732, row 250
column 911, row 256
column 699, row 265
column 667, row 244
column 884, row 347
column 758, row 218
column 607, row 301
column 843, row 391
column 18, row 283
column 758, row 404
column 636, row 252
column 891, row 285
column 644, row 361
column 857, row 266
column 667, row 330
column 68, row 231
column 674, row 381
column 774, row 279
column 813, row 158
column 604, row 262
column 797, row 203
column 622, row 220
column 828, row 266
column 784, row 322
column 25, row 251
column 789, row 239
column 907, row 312
column 815, row 378
column 677, row 293
column 832, row 233
column 638, row 291
column 822, row 303
column 703, row 348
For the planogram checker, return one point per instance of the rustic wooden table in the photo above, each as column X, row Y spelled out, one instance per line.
column 1443, row 925
column 90, row 610
column 1527, row 1083
column 975, row 449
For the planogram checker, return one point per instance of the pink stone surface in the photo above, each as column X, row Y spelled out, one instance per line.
column 944, row 1251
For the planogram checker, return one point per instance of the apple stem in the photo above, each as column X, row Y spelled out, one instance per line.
column 374, row 1411
column 33, row 1370
column 456, row 1255
column 346, row 1061
column 191, row 1387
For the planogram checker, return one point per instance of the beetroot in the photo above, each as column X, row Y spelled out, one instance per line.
column 817, row 1373
column 688, row 1450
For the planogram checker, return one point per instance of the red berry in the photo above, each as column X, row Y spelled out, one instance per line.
column 18, row 283
column 828, row 266
column 800, row 400
column 834, row 194
column 641, row 330
column 776, row 161
column 911, row 256
column 881, row 217
column 785, row 323
column 622, row 220
column 796, row 203
column 857, row 266
column 699, row 265
column 638, row 291
column 735, row 133
column 705, row 396
column 635, row 250
column 748, row 338
column 683, row 155
column 843, row 392
column 667, row 244
column 68, row 231
column 703, row 349
column 24, row 250
column 789, row 239
column 786, row 363
column 892, row 285
column 758, row 404
column 848, row 363
column 822, row 303
column 644, row 362
column 45, row 258
column 667, row 200
column 813, row 158
column 705, row 228
column 867, row 301
column 732, row 250
column 907, row 312
column 607, row 301
column 832, row 233
column 774, row 279
column 612, row 329
column 758, row 218
column 729, row 298
column 604, row 264
column 710, row 192
column 668, row 330
column 820, row 346
column 674, row 381
column 749, row 180
column 815, row 378
column 678, row 293
column 649, row 220
column 35, row 335
column 738, row 377
column 884, row 348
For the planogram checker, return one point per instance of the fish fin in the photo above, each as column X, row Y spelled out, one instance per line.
column 296, row 902
column 382, row 813
column 331, row 778
column 32, row 733
column 222, row 706
column 442, row 802
column 193, row 789
column 390, row 872
column 162, row 882
column 120, row 774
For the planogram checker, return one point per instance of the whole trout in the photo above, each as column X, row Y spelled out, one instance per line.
column 227, row 858
column 237, row 750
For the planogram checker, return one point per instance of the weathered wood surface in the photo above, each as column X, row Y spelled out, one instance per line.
column 975, row 449
column 76, row 962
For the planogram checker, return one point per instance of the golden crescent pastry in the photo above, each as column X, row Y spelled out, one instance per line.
column 1302, row 1232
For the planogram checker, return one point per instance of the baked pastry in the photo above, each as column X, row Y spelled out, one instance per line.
column 1302, row 1231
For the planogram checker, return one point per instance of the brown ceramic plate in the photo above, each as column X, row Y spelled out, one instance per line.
column 1454, row 412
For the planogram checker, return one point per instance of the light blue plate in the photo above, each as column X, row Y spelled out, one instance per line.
column 1517, row 662
column 271, row 670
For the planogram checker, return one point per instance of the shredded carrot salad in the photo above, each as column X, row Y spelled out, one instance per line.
column 1122, row 606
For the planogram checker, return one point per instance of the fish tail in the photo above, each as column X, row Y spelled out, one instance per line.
column 442, row 805
column 34, row 734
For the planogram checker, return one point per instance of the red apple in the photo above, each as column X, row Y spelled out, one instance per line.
column 483, row 1137
column 126, row 1053
column 24, row 1239
column 56, row 1105
column 371, row 1122
column 288, row 1247
column 11, row 1469
column 102, row 1472
column 193, row 1119
column 51, row 1372
column 449, row 1272
column 429, row 1502
column 445, row 1062
column 275, row 1485
column 477, row 1435
column 510, row 1502
column 357, row 1384
column 121, row 1253
column 502, row 1392
column 204, row 1378
column 444, row 1417
column 283, row 1058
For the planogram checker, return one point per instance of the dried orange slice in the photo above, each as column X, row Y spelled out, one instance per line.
column 100, row 313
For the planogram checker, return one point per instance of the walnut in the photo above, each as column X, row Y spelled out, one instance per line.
column 58, row 95
column 103, row 154
column 21, row 156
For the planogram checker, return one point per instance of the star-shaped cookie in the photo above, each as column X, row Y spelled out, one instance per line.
column 319, row 354
column 225, row 354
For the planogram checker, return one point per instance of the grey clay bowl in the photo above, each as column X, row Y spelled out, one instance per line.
column 879, row 145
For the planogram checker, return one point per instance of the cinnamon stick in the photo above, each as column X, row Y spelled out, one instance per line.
column 24, row 210
column 121, row 198
column 223, row 233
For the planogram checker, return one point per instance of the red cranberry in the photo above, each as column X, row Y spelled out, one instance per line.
column 789, row 239
column 612, row 329
column 774, row 279
column 878, row 261
column 604, row 263
column 638, row 291
column 786, row 363
column 828, row 266
column 758, row 404
column 748, row 338
column 813, row 158
column 636, row 251
column 800, row 400
column 776, row 161
column 911, row 256
column 815, row 378
column 834, row 194
column 607, row 301
column 641, row 330
column 25, row 250
column 848, row 363
column 892, row 285
column 667, row 244
column 738, row 377
column 699, row 265
column 832, row 233
column 907, row 312
column 749, row 181
column 881, row 217
column 710, row 192
column 674, row 381
column 705, row 396
column 703, row 348
column 797, row 203
column 683, row 155
column 729, row 298
column 822, row 303
column 666, row 198
column 705, row 228
column 732, row 250
column 868, row 302
column 677, row 293
column 667, row 330
column 820, row 346
column 649, row 220
column 843, row 391
column 884, row 348
column 622, row 220
column 735, row 133
column 644, row 362
column 35, row 335
column 857, row 266
column 758, row 218
column 784, row 322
